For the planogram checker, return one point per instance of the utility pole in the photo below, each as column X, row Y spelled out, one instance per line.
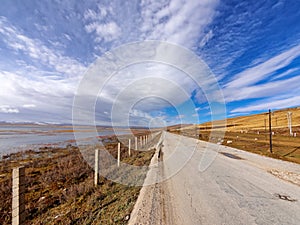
column 270, row 130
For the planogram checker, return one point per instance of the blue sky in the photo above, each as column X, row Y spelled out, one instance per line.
column 252, row 47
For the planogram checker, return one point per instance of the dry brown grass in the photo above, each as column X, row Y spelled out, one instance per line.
column 249, row 133
column 257, row 122
column 60, row 189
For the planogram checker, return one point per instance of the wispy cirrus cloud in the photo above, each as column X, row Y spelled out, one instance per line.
column 262, row 81
column 44, row 76
column 206, row 38
column 168, row 21
column 177, row 21
column 272, row 103
column 38, row 52
column 269, row 89
column 263, row 70
column 285, row 74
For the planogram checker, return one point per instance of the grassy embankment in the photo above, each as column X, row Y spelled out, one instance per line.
column 250, row 133
column 60, row 188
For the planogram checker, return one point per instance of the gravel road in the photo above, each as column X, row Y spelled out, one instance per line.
column 237, row 188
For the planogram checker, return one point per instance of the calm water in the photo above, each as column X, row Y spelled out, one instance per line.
column 14, row 138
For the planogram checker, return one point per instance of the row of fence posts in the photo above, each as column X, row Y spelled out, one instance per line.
column 18, row 181
column 143, row 141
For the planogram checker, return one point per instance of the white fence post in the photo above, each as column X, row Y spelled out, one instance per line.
column 289, row 117
column 136, row 143
column 129, row 146
column 18, row 196
column 96, row 167
column 119, row 153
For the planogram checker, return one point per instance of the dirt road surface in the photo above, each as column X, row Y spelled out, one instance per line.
column 237, row 188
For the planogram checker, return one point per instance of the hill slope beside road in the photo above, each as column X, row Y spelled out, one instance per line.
column 237, row 188
column 260, row 121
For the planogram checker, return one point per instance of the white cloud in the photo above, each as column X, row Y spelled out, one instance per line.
column 68, row 37
column 238, row 114
column 257, row 73
column 100, row 13
column 177, row 21
column 244, row 85
column 104, row 31
column 284, row 74
column 288, row 86
column 101, row 23
column 269, row 104
column 29, row 106
column 52, row 97
column 8, row 109
column 91, row 15
column 174, row 21
column 139, row 113
column 50, row 91
column 206, row 38
column 39, row 52
column 180, row 116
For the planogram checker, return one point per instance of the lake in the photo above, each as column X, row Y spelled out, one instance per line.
column 15, row 138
